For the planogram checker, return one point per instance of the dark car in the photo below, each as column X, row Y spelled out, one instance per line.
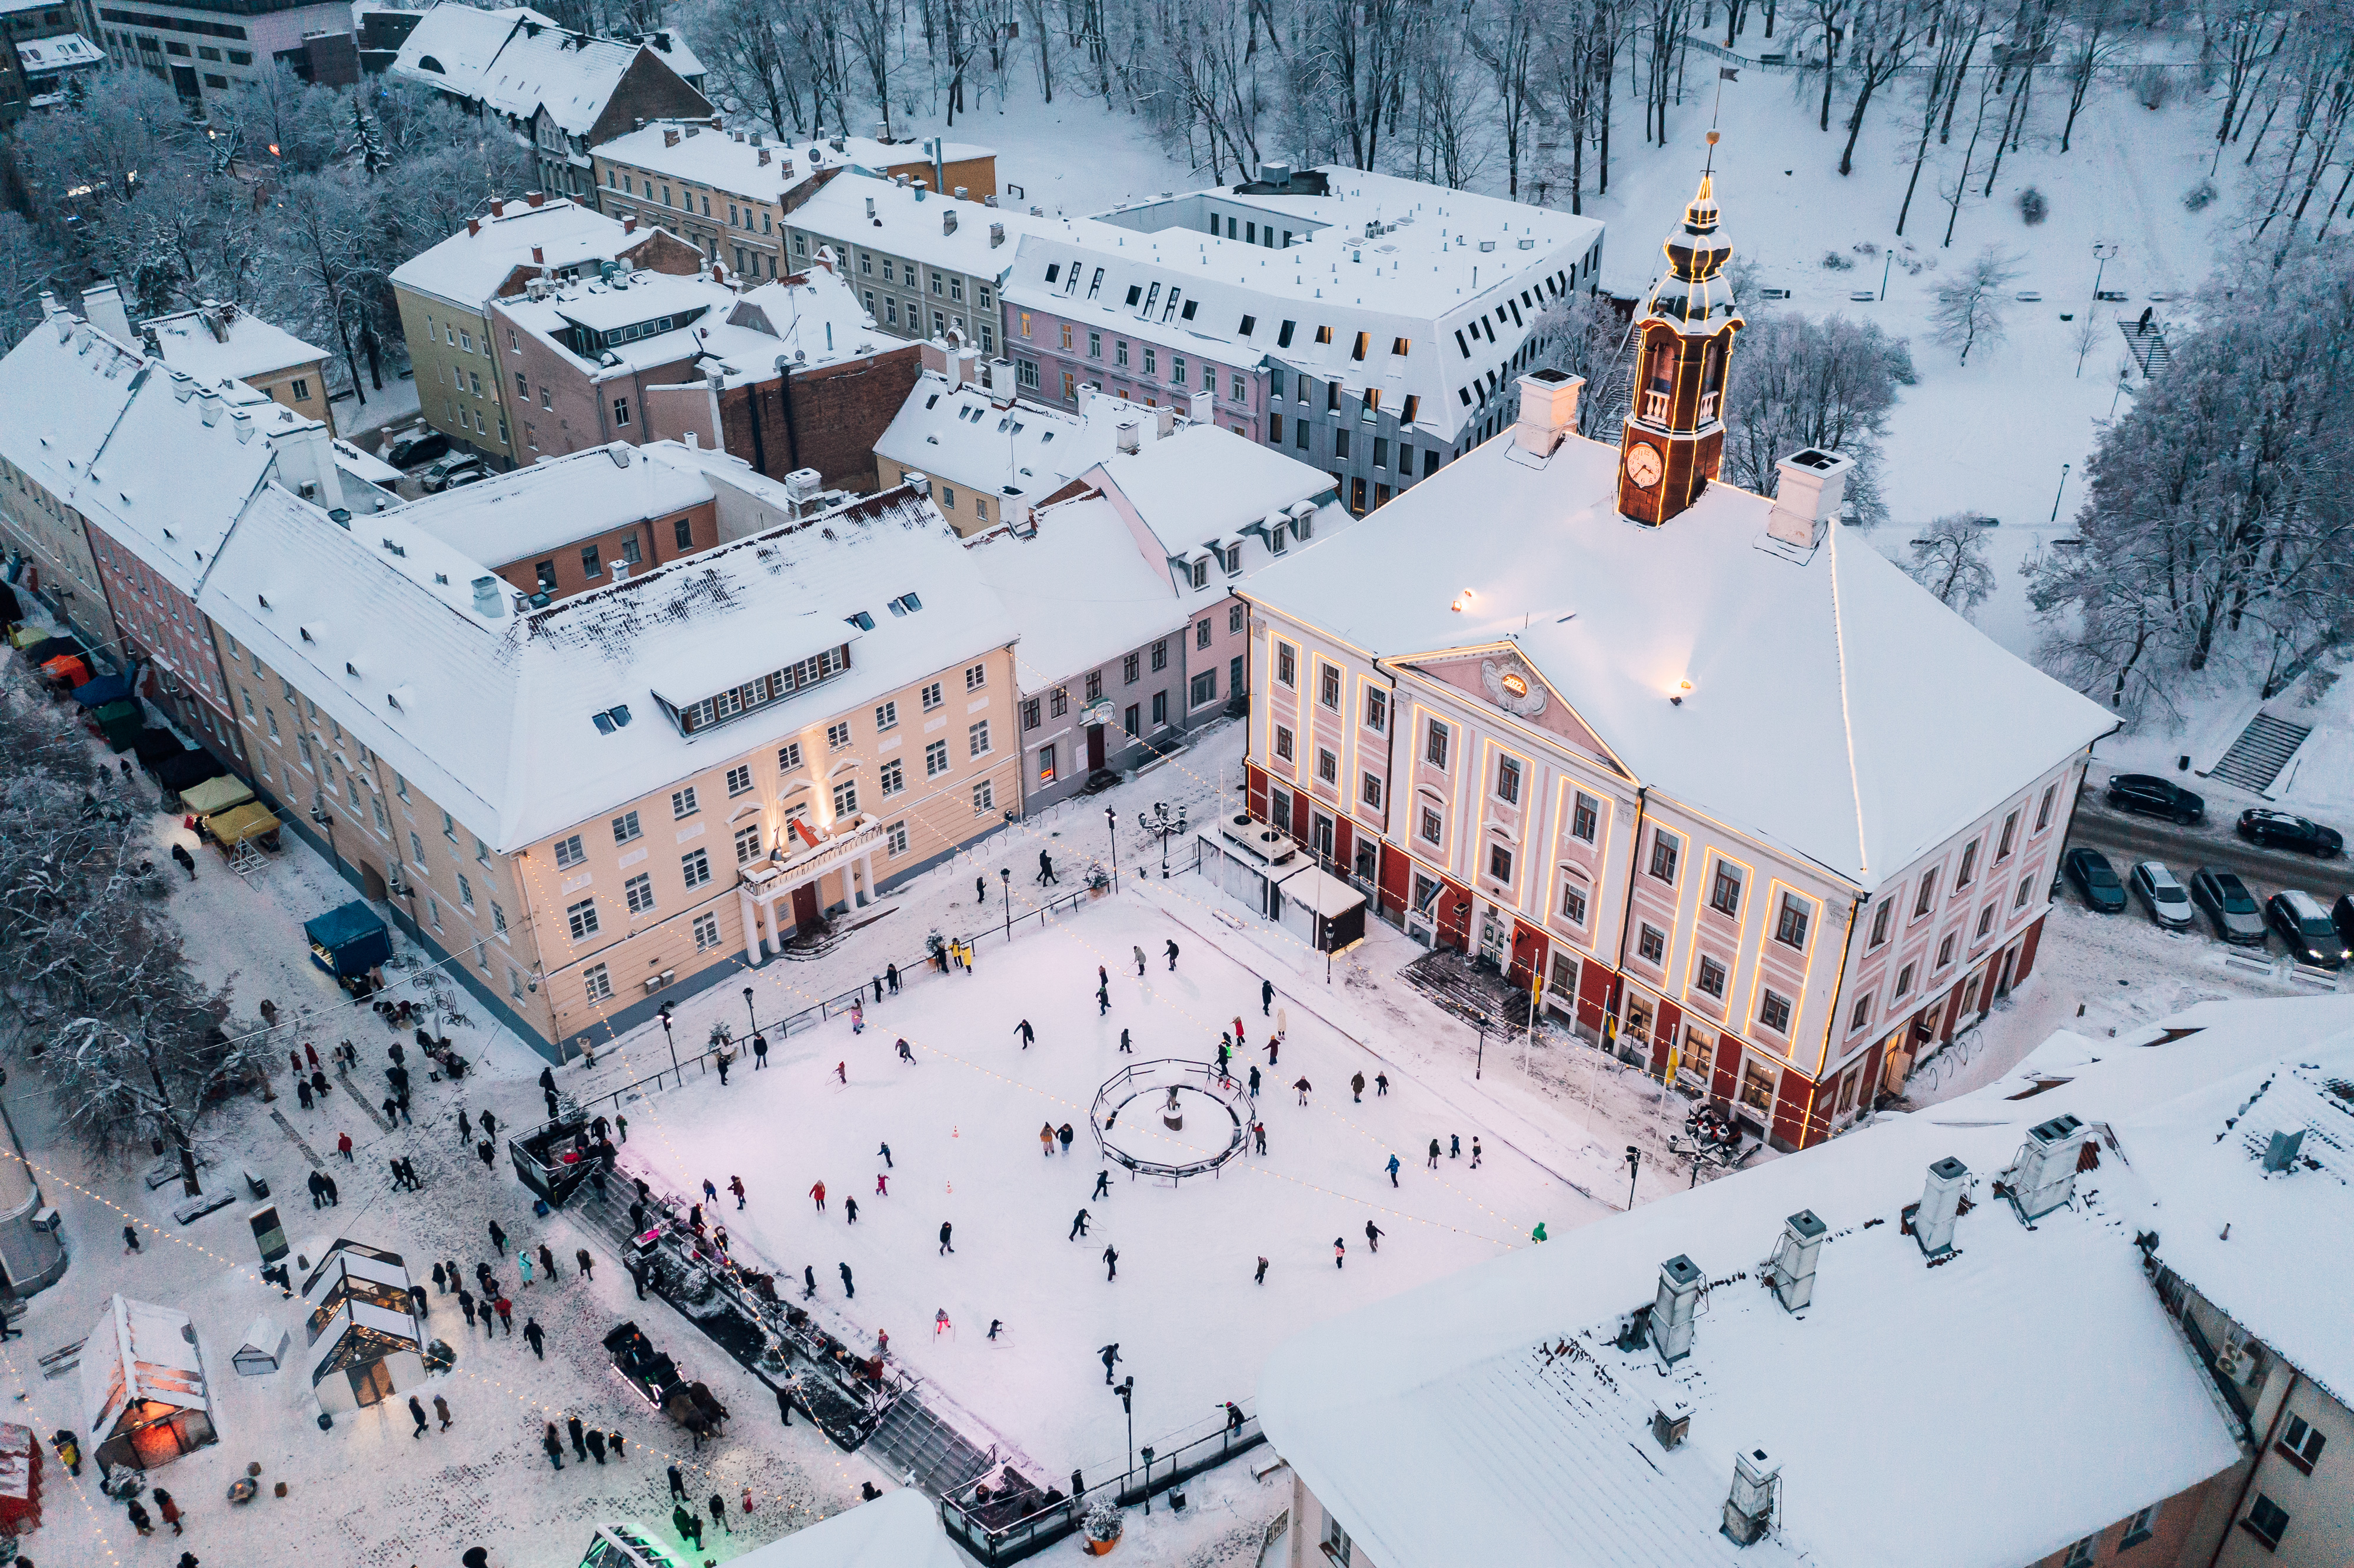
column 2167, row 900
column 423, row 447
column 2229, row 906
column 2278, row 829
column 2149, row 793
column 2089, row 870
column 2301, row 922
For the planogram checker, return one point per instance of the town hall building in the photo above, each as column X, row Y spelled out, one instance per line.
column 1744, row 799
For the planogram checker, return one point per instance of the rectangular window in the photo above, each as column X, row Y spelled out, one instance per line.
column 1286, row 670
column 1880, row 924
column 2009, row 831
column 2300, row 1444
column 893, row 777
column 1328, row 765
column 1160, row 708
column 1986, row 921
column 1652, row 945
column 1573, row 901
column 2266, row 1521
column 498, row 918
column 845, row 798
column 695, row 868
column 1665, row 848
column 1711, row 978
column 976, row 677
column 2043, row 812
column 582, row 917
column 465, row 891
column 984, row 799
column 639, row 891
column 1774, row 1012
column 1235, row 617
column 887, row 716
column 740, row 781
column 936, row 759
column 1377, row 710
column 1863, row 1013
column 1030, row 713
column 1430, row 825
column 1969, row 864
column 976, row 738
column 1927, row 894
column 621, row 413
column 1725, row 894
column 837, row 735
column 747, row 843
column 597, row 983
column 568, row 850
column 1500, row 862
column 1063, row 693
column 1434, row 746
column 1127, row 668
column 1791, row 926
column 1131, row 721
column 683, row 530
column 681, row 802
column 1508, row 780
column 1585, row 817
column 1372, row 790
column 1045, row 765
column 1904, row 981
column 1945, row 950
column 788, row 756
column 707, row 932
column 2139, row 1528
column 895, row 839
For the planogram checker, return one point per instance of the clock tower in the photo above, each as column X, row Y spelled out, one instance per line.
column 1674, row 434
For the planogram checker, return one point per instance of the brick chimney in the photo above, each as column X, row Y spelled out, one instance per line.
column 765, row 155
column 473, row 227
column 629, row 223
column 538, row 257
column 535, row 198
column 670, row 136
column 498, row 207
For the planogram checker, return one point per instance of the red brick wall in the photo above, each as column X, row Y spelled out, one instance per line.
column 1396, row 875
column 657, row 540
column 837, row 416
column 1790, row 1102
column 649, row 89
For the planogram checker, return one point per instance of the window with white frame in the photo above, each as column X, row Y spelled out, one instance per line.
column 567, row 849
column 597, row 983
column 707, row 932
column 582, row 918
column 984, row 799
column 740, row 781
column 638, row 893
column 845, row 798
column 936, row 759
column 695, row 868
column 681, row 802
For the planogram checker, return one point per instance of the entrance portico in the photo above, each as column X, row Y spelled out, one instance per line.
column 793, row 880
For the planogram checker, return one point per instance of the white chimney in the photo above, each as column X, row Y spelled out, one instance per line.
column 2044, row 1177
column 1548, row 411
column 1807, row 496
column 306, row 461
column 1202, row 407
column 620, row 570
column 948, row 221
column 101, row 306
column 921, row 483
column 1749, row 1508
column 1164, row 422
column 1129, row 435
column 1792, row 1271
column 209, row 405
column 488, row 602
column 1941, row 1201
column 1672, row 1309
column 1088, row 391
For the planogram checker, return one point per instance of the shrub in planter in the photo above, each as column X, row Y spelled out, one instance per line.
column 2032, row 206
column 1103, row 1524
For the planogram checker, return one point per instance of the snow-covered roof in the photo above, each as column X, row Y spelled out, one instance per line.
column 518, row 60
column 1023, row 451
column 814, row 319
column 469, row 267
column 1078, row 588
column 1488, row 1417
column 1434, row 263
column 1830, row 676
column 214, row 341
column 68, row 51
column 899, row 1530
column 527, row 511
column 1201, row 483
column 647, row 300
column 731, row 161
column 138, row 1352
column 909, row 221
column 494, row 712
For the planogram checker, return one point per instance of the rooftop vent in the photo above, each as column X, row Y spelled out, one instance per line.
column 488, row 602
column 1792, row 1271
column 1941, row 1201
column 996, row 235
column 1807, row 496
column 948, row 221
column 1749, row 1509
column 2044, row 1177
column 1671, row 1423
column 1672, row 1309
column 1129, row 436
column 2282, row 1155
column 343, row 519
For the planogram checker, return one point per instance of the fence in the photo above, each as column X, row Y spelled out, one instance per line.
column 915, row 966
column 1018, row 1521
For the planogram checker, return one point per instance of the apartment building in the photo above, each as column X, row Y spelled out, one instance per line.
column 924, row 265
column 1367, row 324
column 729, row 191
column 567, row 92
column 218, row 342
column 42, row 47
column 502, row 771
column 1737, row 1372
column 789, row 376
column 444, row 296
column 1123, row 584
column 206, row 46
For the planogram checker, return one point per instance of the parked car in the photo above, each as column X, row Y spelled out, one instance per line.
column 2089, row 870
column 2230, row 907
column 2298, row 916
column 2147, row 792
column 2278, row 829
column 441, row 474
column 472, row 473
column 2167, row 900
column 421, row 446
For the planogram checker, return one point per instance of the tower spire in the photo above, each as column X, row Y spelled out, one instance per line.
column 1674, row 439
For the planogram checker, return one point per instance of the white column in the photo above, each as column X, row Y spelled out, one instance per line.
column 867, row 861
column 751, row 917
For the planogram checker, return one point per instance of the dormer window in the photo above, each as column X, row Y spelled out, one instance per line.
column 1201, row 574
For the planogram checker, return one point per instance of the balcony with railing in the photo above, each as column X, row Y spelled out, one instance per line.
column 796, row 861
column 1707, row 407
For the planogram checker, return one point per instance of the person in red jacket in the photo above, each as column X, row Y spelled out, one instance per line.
column 818, row 1192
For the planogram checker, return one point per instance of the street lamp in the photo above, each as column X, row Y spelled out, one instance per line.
column 2061, row 491
column 1633, row 1167
column 1111, row 832
column 1159, row 825
column 664, row 1013
column 1126, row 1389
column 319, row 814
column 1147, row 1477
column 2104, row 252
column 1005, row 875
column 748, row 1017
column 1479, row 1023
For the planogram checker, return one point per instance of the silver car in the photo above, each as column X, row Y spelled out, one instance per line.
column 2168, row 901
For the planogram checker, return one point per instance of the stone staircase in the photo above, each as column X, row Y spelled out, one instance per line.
column 2264, row 748
column 2145, row 341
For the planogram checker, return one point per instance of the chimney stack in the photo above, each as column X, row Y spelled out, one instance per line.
column 920, row 484
column 498, row 207
column 670, row 136
column 209, row 405
column 948, row 221
column 538, row 257
column 2044, row 1177
column 1164, row 422
column 1749, row 1508
column 101, row 306
column 620, row 570
column 488, row 603
column 1129, row 435
column 1792, row 1271
column 1807, row 496
column 764, row 157
column 473, row 227
column 1548, row 411
column 535, row 198
column 1672, row 1309
column 1202, row 408
column 1941, row 1201
column 629, row 223
column 996, row 235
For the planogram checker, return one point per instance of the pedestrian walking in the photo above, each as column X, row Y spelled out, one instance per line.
column 841, row 1072
column 169, row 1509
column 537, row 1335
column 466, row 1304
column 1109, row 1355
column 1373, row 1235
column 1260, row 1277
column 1111, row 1265
column 130, row 1238
column 719, row 1513
column 613, row 1440
column 1265, row 995
column 596, row 1444
column 946, row 1230
column 1474, row 1152
column 1381, row 1084
column 138, row 1516
column 417, row 1413
column 554, row 1446
column 1103, row 1184
column 1138, row 951
column 1078, row 1227
column 1393, row 1170
column 440, row 1279
column 1434, row 1154
column 441, row 1412
column 344, row 1145
column 1103, row 1000
column 849, row 1210
column 1063, row 1135
column 1340, row 1251
column 1454, row 1145
column 498, row 1238
column 334, row 1197
column 1028, row 1034
column 784, row 1407
column 818, row 1192
column 588, row 1264
column 485, row 1153
column 621, row 1125
column 1357, row 1088
column 506, row 1315
column 187, row 863
column 677, row 1483
column 547, row 1263
column 1046, row 1139
column 809, row 1281
column 1045, row 869
column 1254, row 1083
column 523, row 1262
column 759, row 1052
column 885, row 1152
column 979, row 890
column 417, row 1302
column 1172, row 956
column 1303, row 1086
column 906, row 1053
column 848, row 1290
column 573, row 1430
column 1124, row 1044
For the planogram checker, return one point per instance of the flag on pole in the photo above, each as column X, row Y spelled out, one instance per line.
column 1727, row 73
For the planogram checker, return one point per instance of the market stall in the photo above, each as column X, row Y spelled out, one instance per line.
column 364, row 1342
column 20, row 1480
column 215, row 795
column 142, row 1387
column 178, row 771
column 229, row 829
column 349, row 940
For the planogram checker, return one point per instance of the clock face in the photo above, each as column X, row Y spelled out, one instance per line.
column 1643, row 465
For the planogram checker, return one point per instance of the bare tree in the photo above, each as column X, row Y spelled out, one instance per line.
column 1949, row 561
column 1886, row 34
column 1797, row 382
column 1504, row 39
column 1956, row 27
column 1580, row 334
column 1969, row 307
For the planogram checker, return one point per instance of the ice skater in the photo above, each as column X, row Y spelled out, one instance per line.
column 1260, row 1277
column 848, row 1289
column 1381, row 1084
column 1124, row 1044
column 1139, row 961
column 1303, row 1086
column 1173, row 956
column 906, row 1053
column 1103, row 1185
column 818, row 1192
column 885, row 1152
column 1265, row 995
column 1357, row 1088
column 1373, row 1235
column 1103, row 1000
column 1111, row 1264
column 1046, row 1139
column 735, row 1185
column 1078, row 1227
column 882, row 1184
column 849, row 1213
column 1254, row 1083
column 946, row 1230
column 1109, row 1355
column 1393, row 1170
column 1434, row 1154
column 1454, row 1145
column 1029, row 1035
column 1474, row 1152
column 1340, row 1251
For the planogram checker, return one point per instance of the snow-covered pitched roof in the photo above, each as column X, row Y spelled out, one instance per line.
column 68, row 51
column 469, row 267
column 813, row 318
column 492, row 711
column 518, row 60
column 909, row 222
column 731, row 161
column 1201, row 483
column 1023, row 451
column 61, row 389
column 526, row 511
column 1820, row 716
column 1078, row 588
column 899, row 1530
column 1489, row 1418
column 247, row 345
column 138, row 1352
